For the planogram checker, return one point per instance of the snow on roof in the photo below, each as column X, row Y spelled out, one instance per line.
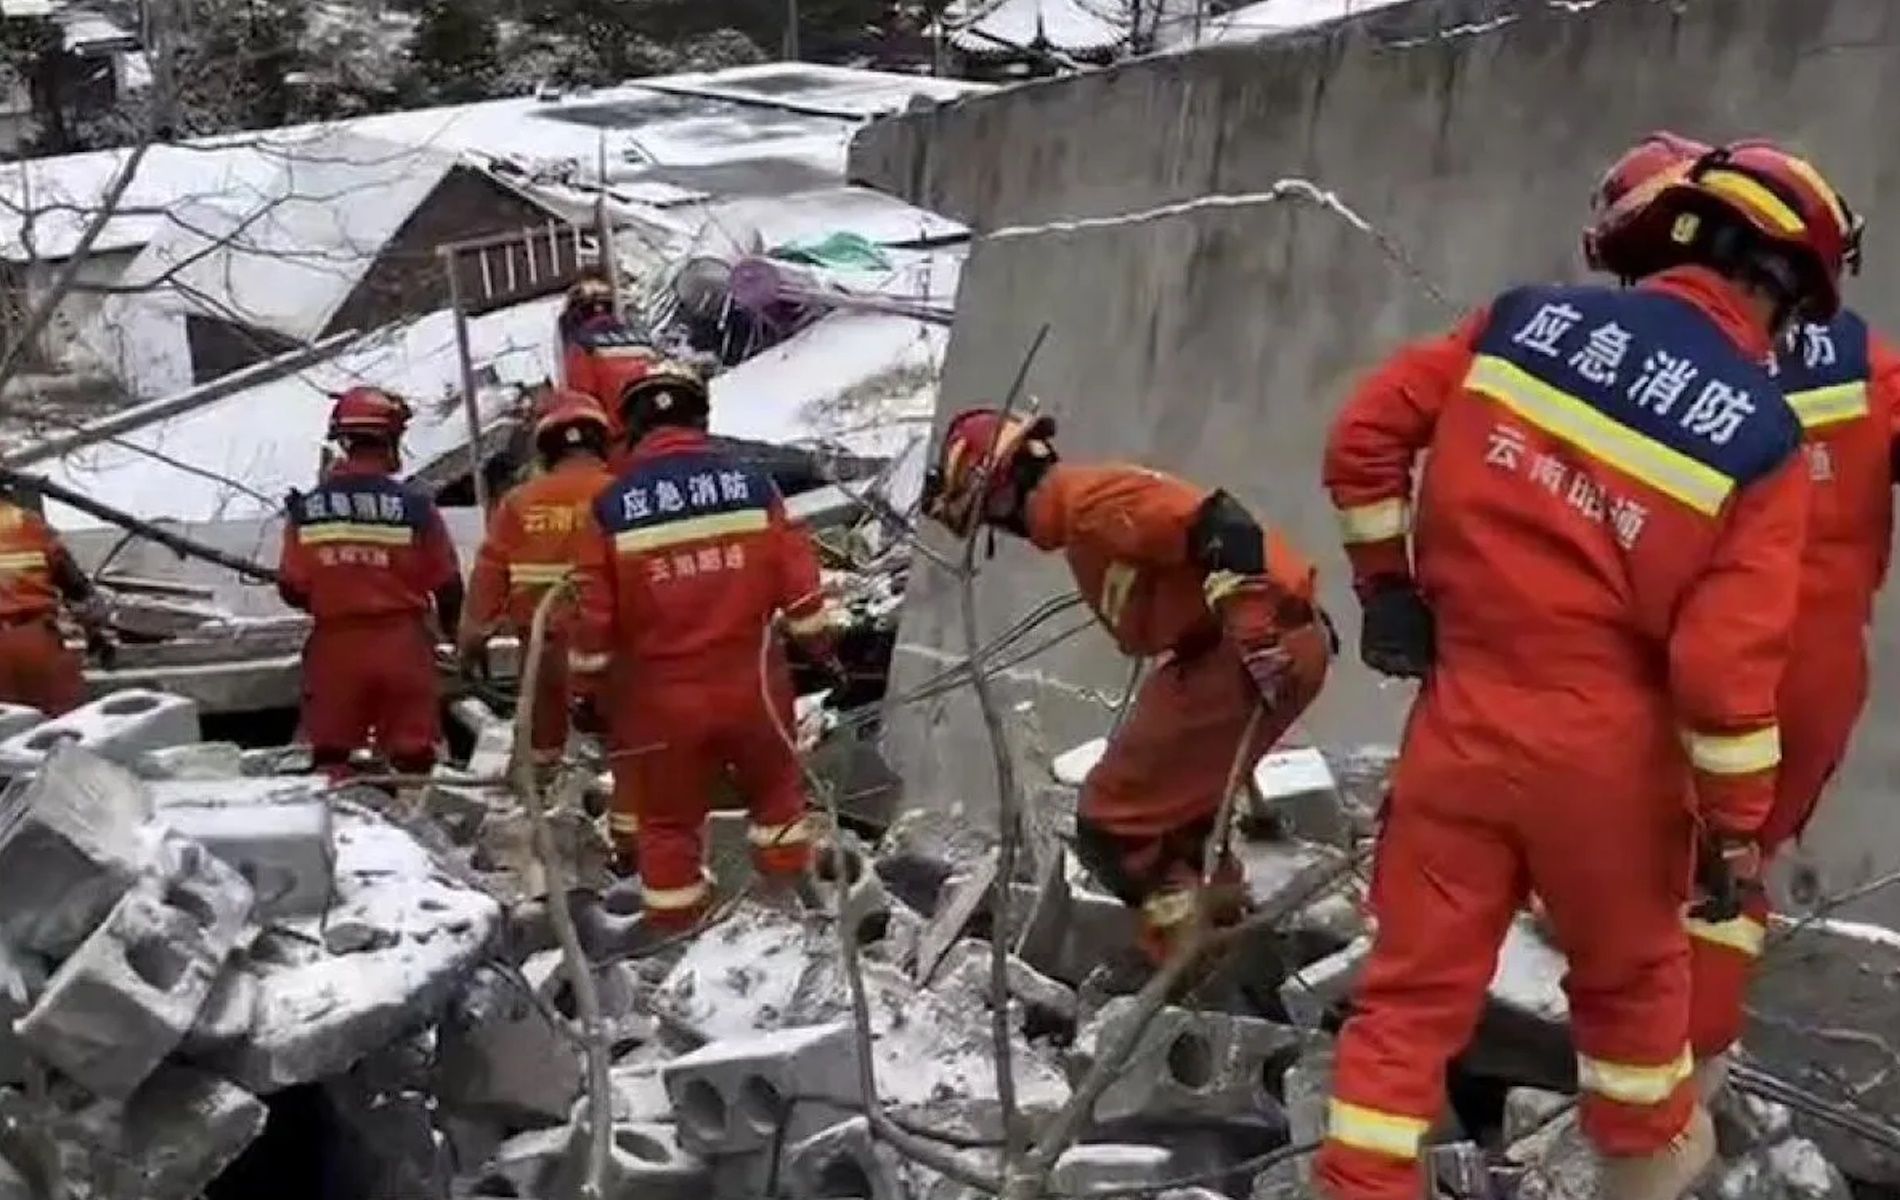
column 85, row 31
column 679, row 133
column 268, row 437
column 866, row 381
column 286, row 254
column 1085, row 27
column 747, row 224
column 1272, row 17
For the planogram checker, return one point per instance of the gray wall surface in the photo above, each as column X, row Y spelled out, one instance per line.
column 1219, row 343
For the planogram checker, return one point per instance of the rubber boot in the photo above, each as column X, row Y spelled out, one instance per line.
column 1669, row 1173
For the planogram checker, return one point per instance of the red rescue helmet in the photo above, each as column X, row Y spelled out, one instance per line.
column 1627, row 186
column 979, row 446
column 368, row 412
column 1748, row 203
column 670, row 393
column 564, row 418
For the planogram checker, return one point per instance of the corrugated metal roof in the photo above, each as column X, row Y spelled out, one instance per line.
column 1086, row 28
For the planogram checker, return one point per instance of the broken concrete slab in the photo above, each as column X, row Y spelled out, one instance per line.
column 16, row 719
column 318, row 1013
column 1364, row 774
column 1306, row 1090
column 844, row 1160
column 963, row 895
column 1555, row 1163
column 127, row 996
column 525, row 1165
column 500, row 1055
column 226, row 1017
column 1528, row 1110
column 1096, row 927
column 167, row 1142
column 1190, row 1063
column 1278, row 870
column 276, row 835
column 965, row 973
column 742, row 975
column 1794, row 1169
column 199, row 761
column 72, row 842
column 1105, row 1169
column 121, row 726
column 1824, row 1013
column 638, row 1090
column 743, row 1094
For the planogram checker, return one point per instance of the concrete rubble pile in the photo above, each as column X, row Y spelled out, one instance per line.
column 211, row 967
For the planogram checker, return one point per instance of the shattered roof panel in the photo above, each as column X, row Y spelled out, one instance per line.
column 746, row 223
column 267, row 439
column 1071, row 26
column 285, row 255
column 1271, row 17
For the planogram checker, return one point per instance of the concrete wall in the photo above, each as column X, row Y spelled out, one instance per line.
column 1219, row 343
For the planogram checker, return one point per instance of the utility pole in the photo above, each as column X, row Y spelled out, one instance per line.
column 790, row 53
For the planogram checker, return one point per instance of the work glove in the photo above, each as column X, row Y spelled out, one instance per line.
column 1397, row 634
column 102, row 649
column 471, row 659
column 1728, row 871
column 586, row 715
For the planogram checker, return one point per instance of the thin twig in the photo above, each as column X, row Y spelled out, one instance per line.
column 580, row 973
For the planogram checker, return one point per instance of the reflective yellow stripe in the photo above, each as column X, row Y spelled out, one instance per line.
column 1743, row 933
column 692, row 529
column 549, row 573
column 1380, row 1132
column 350, row 531
column 1117, row 582
column 1175, row 906
column 1221, row 584
column 1629, row 1083
column 1377, row 522
column 679, row 897
column 25, row 560
column 587, row 664
column 1740, row 188
column 792, row 833
column 1819, row 407
column 621, row 822
column 1734, row 753
column 1564, row 416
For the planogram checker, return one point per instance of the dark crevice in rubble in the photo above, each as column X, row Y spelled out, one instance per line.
column 306, row 1152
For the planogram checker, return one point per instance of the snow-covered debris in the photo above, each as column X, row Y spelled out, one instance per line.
column 318, row 1013
column 71, row 844
column 1269, row 18
column 989, row 29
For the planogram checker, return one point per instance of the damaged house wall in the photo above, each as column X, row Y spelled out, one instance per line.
column 1219, row 343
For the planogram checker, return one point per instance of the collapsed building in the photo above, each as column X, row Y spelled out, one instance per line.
column 225, row 976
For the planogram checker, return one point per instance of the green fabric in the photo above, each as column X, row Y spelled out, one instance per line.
column 838, row 251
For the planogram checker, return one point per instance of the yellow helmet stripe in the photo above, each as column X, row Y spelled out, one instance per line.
column 1738, row 188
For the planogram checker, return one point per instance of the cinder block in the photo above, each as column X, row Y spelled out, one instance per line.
column 278, row 840
column 122, row 727
column 966, row 973
column 647, row 1162
column 1301, row 796
column 525, row 1165
column 844, row 1160
column 1317, row 988
column 179, row 1131
column 71, row 843
column 1103, row 1169
column 198, row 761
column 1189, row 1063
column 734, row 1096
column 128, row 995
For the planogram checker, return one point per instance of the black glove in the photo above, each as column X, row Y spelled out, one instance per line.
column 586, row 715
column 1727, row 876
column 102, row 649
column 1396, row 637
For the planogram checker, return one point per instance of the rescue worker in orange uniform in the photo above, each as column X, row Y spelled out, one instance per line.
column 36, row 575
column 1175, row 571
column 1599, row 599
column 689, row 563
column 600, row 354
column 533, row 541
column 367, row 556
column 1843, row 383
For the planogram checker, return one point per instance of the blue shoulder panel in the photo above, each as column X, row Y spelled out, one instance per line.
column 363, row 500
column 1653, row 364
column 680, row 487
column 1826, row 356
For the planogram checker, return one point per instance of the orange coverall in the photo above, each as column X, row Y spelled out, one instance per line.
column 533, row 542
column 601, row 357
column 36, row 667
column 1609, row 532
column 1147, row 807
column 363, row 554
column 689, row 558
column 1844, row 385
